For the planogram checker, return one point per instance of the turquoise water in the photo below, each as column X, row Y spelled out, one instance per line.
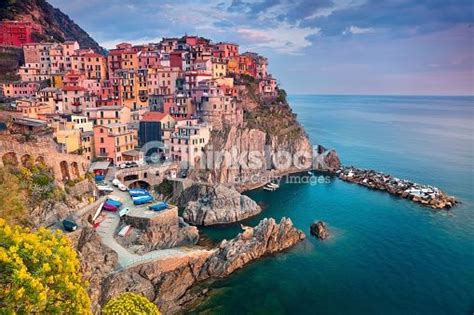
column 386, row 255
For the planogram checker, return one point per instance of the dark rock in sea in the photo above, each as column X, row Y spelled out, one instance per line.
column 320, row 230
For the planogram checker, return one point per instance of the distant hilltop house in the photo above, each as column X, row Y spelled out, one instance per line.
column 18, row 33
column 107, row 107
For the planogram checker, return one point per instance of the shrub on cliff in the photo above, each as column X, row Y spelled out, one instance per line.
column 23, row 187
column 12, row 198
column 130, row 303
column 39, row 273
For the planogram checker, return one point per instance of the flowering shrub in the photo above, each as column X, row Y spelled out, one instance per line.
column 130, row 303
column 39, row 273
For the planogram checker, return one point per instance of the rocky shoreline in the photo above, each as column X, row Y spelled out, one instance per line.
column 168, row 282
column 425, row 195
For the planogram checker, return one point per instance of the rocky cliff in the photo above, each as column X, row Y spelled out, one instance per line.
column 216, row 204
column 270, row 135
column 168, row 282
column 55, row 24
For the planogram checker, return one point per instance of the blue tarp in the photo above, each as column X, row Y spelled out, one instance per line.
column 134, row 192
column 159, row 206
column 99, row 178
column 114, row 202
column 142, row 200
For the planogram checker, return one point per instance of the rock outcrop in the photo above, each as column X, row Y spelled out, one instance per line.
column 326, row 160
column 163, row 229
column 423, row 194
column 168, row 282
column 320, row 230
column 97, row 260
column 217, row 204
column 270, row 143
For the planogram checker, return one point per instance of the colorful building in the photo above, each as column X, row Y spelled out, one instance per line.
column 113, row 141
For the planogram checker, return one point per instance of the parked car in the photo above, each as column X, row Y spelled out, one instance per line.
column 128, row 165
column 141, row 200
column 116, row 182
column 159, row 206
column 122, row 187
column 105, row 188
column 69, row 225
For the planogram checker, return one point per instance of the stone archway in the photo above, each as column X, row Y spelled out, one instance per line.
column 75, row 170
column 130, row 177
column 10, row 159
column 64, row 171
column 140, row 184
column 27, row 160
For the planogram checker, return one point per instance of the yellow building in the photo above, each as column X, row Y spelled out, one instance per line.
column 70, row 139
column 219, row 68
column 57, row 81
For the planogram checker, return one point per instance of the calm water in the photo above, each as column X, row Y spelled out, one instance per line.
column 386, row 255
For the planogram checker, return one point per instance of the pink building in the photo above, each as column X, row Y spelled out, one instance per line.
column 225, row 50
column 113, row 141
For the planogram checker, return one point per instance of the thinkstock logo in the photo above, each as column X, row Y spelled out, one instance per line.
column 250, row 164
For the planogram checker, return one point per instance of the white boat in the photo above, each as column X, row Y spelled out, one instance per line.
column 124, row 230
column 123, row 212
column 269, row 188
column 273, row 185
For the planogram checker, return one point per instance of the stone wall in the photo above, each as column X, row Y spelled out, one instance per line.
column 44, row 149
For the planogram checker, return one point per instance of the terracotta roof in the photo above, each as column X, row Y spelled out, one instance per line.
column 154, row 116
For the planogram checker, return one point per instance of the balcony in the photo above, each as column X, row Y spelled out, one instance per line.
column 76, row 103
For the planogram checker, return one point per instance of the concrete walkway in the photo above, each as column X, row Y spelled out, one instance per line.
column 108, row 227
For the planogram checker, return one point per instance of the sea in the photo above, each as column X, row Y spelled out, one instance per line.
column 385, row 255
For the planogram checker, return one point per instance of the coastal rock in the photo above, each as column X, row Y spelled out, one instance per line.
column 326, row 160
column 217, row 204
column 168, row 282
column 423, row 194
column 320, row 230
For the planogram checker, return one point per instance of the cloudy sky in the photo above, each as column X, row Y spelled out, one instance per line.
column 314, row 46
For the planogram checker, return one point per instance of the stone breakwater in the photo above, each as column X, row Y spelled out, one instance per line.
column 423, row 194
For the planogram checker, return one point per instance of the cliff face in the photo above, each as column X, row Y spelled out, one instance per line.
column 216, row 204
column 270, row 131
column 168, row 282
column 55, row 24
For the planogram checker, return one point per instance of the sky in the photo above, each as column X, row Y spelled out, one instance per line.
column 408, row 47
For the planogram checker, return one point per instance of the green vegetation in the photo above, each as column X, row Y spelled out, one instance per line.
column 23, row 187
column 165, row 188
column 39, row 273
column 130, row 303
column 281, row 98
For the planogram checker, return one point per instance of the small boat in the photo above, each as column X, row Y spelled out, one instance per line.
column 273, row 185
column 269, row 188
column 123, row 212
column 124, row 231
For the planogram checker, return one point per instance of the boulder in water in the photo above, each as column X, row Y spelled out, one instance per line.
column 320, row 230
